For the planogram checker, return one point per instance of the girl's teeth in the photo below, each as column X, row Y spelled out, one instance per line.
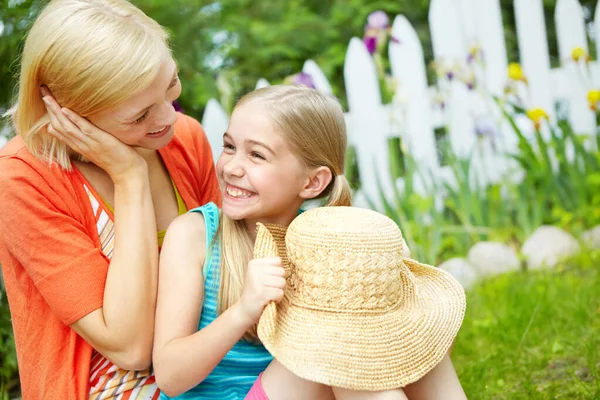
column 238, row 193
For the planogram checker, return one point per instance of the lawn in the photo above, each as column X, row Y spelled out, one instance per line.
column 528, row 335
column 533, row 334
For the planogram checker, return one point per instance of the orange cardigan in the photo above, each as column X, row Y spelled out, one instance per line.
column 51, row 260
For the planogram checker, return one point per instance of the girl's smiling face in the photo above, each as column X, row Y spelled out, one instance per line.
column 261, row 179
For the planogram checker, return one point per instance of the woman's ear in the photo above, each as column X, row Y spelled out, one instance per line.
column 318, row 180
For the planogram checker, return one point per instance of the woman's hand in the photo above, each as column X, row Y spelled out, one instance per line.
column 96, row 145
column 264, row 283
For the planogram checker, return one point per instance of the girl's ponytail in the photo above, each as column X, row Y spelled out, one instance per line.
column 341, row 193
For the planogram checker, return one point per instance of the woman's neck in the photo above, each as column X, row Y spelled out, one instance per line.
column 147, row 154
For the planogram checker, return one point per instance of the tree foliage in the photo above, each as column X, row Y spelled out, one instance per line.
column 236, row 42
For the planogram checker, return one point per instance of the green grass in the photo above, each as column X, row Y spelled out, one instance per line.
column 533, row 334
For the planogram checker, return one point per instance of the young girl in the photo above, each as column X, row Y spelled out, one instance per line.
column 284, row 145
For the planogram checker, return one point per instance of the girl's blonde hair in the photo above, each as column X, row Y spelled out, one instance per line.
column 92, row 55
column 313, row 126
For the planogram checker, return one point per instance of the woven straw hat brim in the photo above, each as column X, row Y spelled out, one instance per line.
column 363, row 351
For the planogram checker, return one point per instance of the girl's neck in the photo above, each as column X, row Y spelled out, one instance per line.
column 251, row 224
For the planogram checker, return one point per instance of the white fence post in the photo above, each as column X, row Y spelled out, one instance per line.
column 490, row 35
column 4, row 134
column 466, row 11
column 574, row 82
column 261, row 83
column 570, row 28
column 321, row 83
column 369, row 130
column 533, row 52
column 215, row 121
column 408, row 68
column 449, row 46
column 595, row 66
column 597, row 29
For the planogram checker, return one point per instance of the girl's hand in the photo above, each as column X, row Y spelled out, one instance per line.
column 264, row 283
column 96, row 145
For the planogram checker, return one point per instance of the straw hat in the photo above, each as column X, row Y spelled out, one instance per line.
column 356, row 312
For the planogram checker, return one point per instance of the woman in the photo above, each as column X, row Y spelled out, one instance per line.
column 100, row 164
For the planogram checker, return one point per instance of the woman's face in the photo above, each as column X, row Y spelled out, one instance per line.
column 145, row 119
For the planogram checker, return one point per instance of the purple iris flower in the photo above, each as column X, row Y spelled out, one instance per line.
column 177, row 106
column 370, row 43
column 485, row 127
column 474, row 55
column 378, row 20
column 302, row 78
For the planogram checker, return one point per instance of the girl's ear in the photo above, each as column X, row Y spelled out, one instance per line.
column 318, row 180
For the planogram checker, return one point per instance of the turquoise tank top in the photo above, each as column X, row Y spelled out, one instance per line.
column 233, row 377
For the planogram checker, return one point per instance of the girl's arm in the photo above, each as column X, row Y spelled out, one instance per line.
column 184, row 356
column 122, row 330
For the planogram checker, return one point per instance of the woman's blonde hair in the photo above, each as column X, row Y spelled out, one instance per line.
column 313, row 126
column 92, row 55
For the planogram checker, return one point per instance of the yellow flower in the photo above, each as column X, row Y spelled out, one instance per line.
column 579, row 53
column 593, row 97
column 475, row 53
column 536, row 115
column 515, row 72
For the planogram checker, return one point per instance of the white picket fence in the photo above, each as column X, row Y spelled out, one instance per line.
column 455, row 26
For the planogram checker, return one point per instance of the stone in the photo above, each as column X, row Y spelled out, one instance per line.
column 460, row 269
column 547, row 246
column 493, row 258
column 591, row 237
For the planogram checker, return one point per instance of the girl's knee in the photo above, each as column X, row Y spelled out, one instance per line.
column 279, row 383
column 440, row 383
column 347, row 394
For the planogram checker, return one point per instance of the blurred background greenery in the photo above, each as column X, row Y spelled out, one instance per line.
column 243, row 40
column 224, row 47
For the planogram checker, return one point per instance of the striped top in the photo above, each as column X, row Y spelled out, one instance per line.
column 107, row 381
column 235, row 374
column 181, row 209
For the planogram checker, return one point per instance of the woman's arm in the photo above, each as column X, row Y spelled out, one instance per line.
column 122, row 330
